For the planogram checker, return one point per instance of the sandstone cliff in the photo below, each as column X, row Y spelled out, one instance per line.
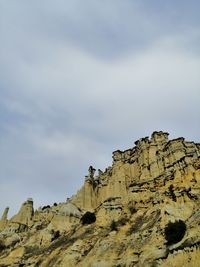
column 141, row 211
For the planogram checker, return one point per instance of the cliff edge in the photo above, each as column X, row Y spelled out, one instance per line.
column 141, row 211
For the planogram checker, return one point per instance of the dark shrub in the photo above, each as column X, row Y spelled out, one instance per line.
column 2, row 246
column 174, row 232
column 132, row 209
column 113, row 226
column 88, row 218
column 46, row 207
column 56, row 235
column 55, row 204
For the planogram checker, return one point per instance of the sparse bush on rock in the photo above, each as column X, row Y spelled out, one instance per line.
column 113, row 226
column 2, row 245
column 174, row 232
column 132, row 209
column 56, row 235
column 46, row 207
column 88, row 218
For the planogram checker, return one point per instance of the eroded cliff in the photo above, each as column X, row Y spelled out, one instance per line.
column 141, row 211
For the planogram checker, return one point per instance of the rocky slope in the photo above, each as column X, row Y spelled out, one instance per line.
column 141, row 211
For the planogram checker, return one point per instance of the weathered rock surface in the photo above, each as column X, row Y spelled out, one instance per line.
column 154, row 183
column 4, row 219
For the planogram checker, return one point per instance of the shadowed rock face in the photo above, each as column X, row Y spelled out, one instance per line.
column 148, row 188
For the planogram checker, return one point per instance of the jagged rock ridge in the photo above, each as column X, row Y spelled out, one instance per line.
column 154, row 183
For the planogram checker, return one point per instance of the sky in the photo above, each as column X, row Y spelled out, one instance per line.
column 80, row 79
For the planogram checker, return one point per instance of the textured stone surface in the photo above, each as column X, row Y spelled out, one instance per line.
column 4, row 219
column 147, row 186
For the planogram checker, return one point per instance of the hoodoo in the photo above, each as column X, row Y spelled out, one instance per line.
column 141, row 211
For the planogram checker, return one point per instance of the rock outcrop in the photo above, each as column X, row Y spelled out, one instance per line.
column 25, row 214
column 132, row 212
column 4, row 219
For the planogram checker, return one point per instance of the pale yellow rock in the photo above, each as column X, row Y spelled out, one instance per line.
column 4, row 219
column 13, row 257
column 154, row 183
column 25, row 213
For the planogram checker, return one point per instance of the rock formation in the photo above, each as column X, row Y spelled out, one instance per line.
column 141, row 211
column 4, row 219
column 25, row 214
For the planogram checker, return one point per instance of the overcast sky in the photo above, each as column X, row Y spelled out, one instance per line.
column 80, row 79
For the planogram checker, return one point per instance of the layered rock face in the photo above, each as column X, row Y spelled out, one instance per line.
column 4, row 220
column 141, row 211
